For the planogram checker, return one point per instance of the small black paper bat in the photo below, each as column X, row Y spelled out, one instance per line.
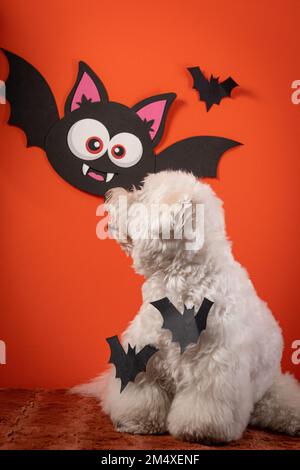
column 99, row 144
column 211, row 91
column 187, row 327
column 128, row 365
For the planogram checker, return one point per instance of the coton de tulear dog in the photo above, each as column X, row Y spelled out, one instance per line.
column 232, row 376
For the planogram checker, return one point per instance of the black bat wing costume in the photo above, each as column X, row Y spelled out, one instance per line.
column 99, row 144
column 128, row 365
column 187, row 327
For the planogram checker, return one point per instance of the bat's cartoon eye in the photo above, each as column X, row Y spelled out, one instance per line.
column 88, row 139
column 94, row 145
column 118, row 151
column 125, row 149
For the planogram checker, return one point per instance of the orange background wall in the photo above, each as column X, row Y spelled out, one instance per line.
column 63, row 290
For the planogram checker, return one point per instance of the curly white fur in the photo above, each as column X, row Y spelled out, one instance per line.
column 232, row 376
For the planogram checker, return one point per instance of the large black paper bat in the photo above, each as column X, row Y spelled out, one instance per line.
column 100, row 144
column 211, row 91
column 187, row 327
column 128, row 365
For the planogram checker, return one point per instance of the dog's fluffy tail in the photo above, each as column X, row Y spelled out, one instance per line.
column 95, row 388
column 279, row 408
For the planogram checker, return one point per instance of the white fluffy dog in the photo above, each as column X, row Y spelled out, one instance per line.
column 232, row 376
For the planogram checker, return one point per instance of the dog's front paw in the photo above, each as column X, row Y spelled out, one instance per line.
column 196, row 432
column 138, row 410
column 140, row 427
column 197, row 420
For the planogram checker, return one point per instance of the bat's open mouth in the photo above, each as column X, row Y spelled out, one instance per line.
column 96, row 174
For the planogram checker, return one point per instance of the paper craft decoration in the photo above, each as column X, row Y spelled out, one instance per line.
column 128, row 365
column 100, row 144
column 187, row 327
column 211, row 91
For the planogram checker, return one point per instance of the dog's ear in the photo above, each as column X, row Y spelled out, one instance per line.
column 112, row 195
column 172, row 216
column 117, row 204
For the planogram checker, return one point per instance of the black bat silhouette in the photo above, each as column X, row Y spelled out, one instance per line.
column 211, row 91
column 128, row 365
column 100, row 144
column 187, row 327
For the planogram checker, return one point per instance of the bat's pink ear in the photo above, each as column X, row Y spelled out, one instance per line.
column 154, row 111
column 88, row 87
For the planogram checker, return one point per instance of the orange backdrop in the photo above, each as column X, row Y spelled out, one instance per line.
column 63, row 291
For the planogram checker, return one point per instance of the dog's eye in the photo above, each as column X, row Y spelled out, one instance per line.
column 125, row 149
column 88, row 139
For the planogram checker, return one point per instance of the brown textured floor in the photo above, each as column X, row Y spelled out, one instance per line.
column 53, row 419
